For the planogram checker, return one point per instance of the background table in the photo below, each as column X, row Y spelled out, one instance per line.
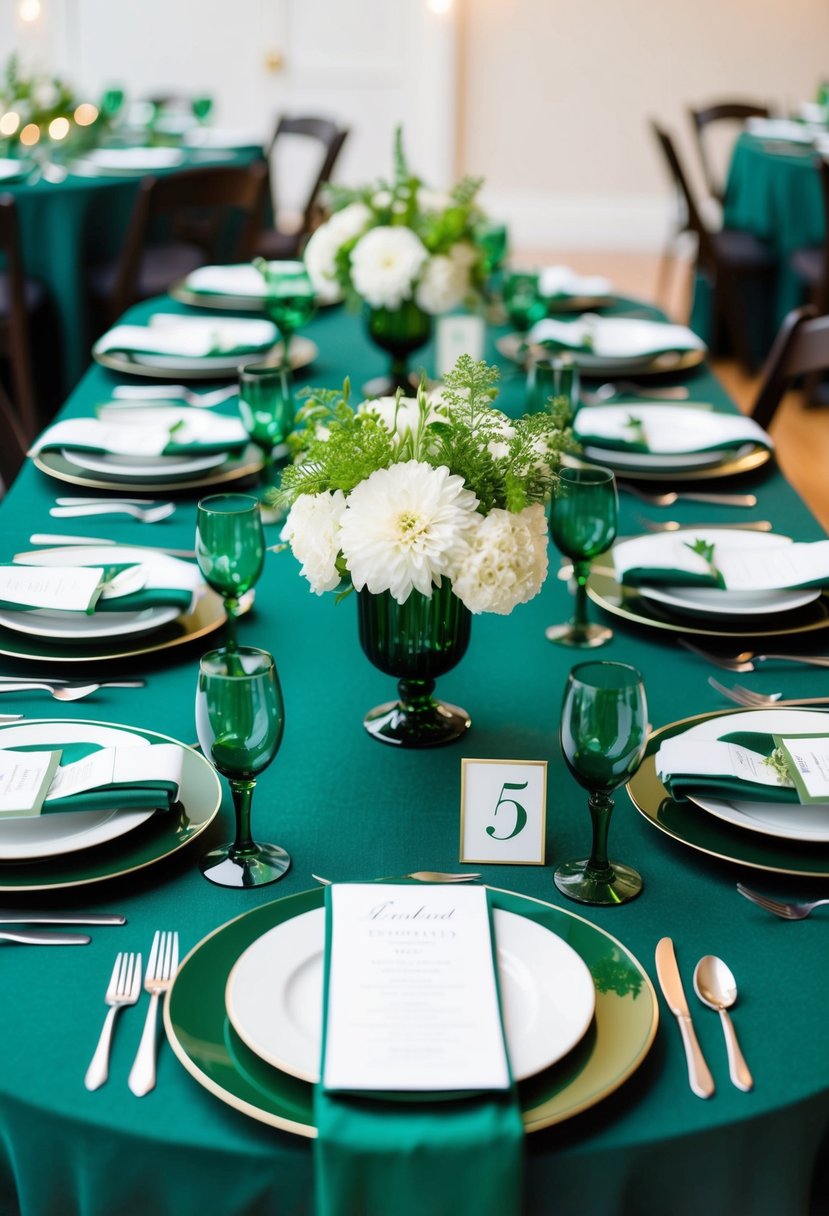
column 349, row 808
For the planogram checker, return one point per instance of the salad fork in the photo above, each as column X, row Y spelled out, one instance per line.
column 791, row 909
column 760, row 700
column 124, row 989
column 746, row 659
column 161, row 971
column 145, row 515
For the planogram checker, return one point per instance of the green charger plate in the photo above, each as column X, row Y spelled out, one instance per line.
column 160, row 836
column 209, row 1048
column 690, row 825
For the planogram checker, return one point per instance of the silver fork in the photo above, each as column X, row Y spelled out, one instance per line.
column 68, row 692
column 161, row 970
column 673, row 392
column 745, row 660
column 673, row 525
column 759, row 700
column 124, row 989
column 671, row 496
column 145, row 515
column 794, row 909
column 418, row 876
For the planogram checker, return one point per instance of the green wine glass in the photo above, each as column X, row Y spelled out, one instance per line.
column 240, row 717
column 492, row 239
column 201, row 107
column 583, row 522
column 289, row 299
column 552, row 378
column 523, row 300
column 604, row 729
column 266, row 406
column 230, row 549
column 112, row 103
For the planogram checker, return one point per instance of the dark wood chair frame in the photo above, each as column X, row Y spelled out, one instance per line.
column 800, row 350
column 331, row 137
column 15, row 327
column 721, row 111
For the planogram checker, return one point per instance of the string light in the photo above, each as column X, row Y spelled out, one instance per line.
column 9, row 122
column 59, row 128
column 29, row 10
column 30, row 134
column 440, row 6
column 86, row 114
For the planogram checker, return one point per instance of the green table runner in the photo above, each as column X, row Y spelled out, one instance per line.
column 348, row 808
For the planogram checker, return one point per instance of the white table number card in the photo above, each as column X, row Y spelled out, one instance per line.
column 503, row 811
column 412, row 1000
column 458, row 335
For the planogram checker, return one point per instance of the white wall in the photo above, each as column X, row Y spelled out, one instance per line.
column 557, row 93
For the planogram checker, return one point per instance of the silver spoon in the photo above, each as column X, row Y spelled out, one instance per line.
column 72, row 692
column 716, row 987
column 669, row 392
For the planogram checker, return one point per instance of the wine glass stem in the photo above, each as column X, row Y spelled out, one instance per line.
column 285, row 362
column 581, row 573
column 601, row 807
column 242, row 794
column 232, row 611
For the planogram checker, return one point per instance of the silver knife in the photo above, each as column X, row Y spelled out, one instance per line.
column 699, row 1074
column 44, row 937
column 50, row 539
column 19, row 916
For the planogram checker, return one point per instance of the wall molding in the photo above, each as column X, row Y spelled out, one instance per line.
column 539, row 220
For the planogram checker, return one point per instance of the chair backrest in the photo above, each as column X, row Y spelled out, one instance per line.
column 211, row 194
column 822, row 299
column 13, row 443
column 17, row 320
column 801, row 348
column 694, row 221
column 331, row 138
column 731, row 111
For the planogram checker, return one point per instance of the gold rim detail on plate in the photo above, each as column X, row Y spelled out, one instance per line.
column 53, row 464
column 732, row 467
column 303, row 353
column 660, row 365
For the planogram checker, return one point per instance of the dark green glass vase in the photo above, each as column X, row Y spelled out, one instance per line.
column 416, row 642
column 400, row 331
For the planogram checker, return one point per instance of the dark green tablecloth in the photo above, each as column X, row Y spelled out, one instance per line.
column 348, row 808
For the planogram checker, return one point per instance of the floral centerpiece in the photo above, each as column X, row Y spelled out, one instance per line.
column 36, row 106
column 403, row 250
column 432, row 509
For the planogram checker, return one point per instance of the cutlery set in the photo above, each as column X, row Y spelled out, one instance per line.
column 745, row 660
column 124, row 989
column 714, row 985
column 759, row 700
column 146, row 511
column 62, row 690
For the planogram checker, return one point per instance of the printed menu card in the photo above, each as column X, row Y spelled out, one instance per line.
column 412, row 996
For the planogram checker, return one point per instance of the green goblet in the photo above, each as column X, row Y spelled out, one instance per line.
column 239, row 720
column 201, row 107
column 583, row 522
column 266, row 406
column 230, row 549
column 289, row 299
column 604, row 728
column 523, row 301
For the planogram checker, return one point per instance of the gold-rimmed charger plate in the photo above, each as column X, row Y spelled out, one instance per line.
column 211, row 299
column 54, row 464
column 732, row 466
column 303, row 353
column 201, row 1036
column 688, row 824
column 161, row 836
column 510, row 346
column 624, row 602
column 207, row 616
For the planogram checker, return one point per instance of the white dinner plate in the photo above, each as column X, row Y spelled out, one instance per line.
column 110, row 465
column 786, row 820
column 25, row 839
column 274, row 994
column 650, row 461
column 80, row 628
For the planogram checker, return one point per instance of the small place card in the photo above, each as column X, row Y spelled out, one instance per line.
column 713, row 758
column 24, row 780
column 412, row 999
column 503, row 811
column 458, row 335
column 808, row 764
column 69, row 588
column 114, row 766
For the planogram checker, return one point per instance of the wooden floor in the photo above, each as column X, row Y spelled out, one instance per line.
column 801, row 435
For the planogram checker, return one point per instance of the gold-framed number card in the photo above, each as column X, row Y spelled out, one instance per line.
column 503, row 811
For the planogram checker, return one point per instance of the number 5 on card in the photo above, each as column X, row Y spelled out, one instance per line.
column 503, row 811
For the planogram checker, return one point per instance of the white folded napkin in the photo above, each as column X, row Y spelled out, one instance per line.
column 554, row 281
column 244, row 280
column 728, row 561
column 134, row 158
column 155, row 574
column 781, row 128
column 191, row 337
column 159, row 431
column 223, row 137
column 615, row 337
column 665, row 429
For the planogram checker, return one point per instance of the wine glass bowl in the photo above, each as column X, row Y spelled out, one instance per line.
column 230, row 548
column 603, row 733
column 289, row 299
column 583, row 522
column 523, row 300
column 240, row 719
column 266, row 407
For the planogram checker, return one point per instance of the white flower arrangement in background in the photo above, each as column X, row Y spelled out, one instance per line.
column 404, row 492
column 392, row 242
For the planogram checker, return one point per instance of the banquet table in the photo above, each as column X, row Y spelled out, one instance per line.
column 348, row 808
column 65, row 225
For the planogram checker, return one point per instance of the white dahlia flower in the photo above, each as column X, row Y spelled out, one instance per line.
column 402, row 527
column 384, row 265
column 503, row 561
column 313, row 531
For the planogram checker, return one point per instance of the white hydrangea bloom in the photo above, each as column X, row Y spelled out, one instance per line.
column 384, row 265
column 503, row 562
column 443, row 284
column 402, row 527
column 323, row 245
column 313, row 531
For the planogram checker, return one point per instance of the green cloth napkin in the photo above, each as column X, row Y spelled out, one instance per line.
column 150, row 795
column 136, row 601
column 440, row 1155
column 681, row 786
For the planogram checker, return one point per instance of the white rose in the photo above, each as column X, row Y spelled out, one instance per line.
column 313, row 531
column 320, row 254
column 384, row 265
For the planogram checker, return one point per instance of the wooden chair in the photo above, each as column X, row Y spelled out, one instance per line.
column 801, row 349
column 197, row 207
column 811, row 265
column 20, row 298
column 14, row 441
column 723, row 256
column 276, row 243
column 734, row 113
